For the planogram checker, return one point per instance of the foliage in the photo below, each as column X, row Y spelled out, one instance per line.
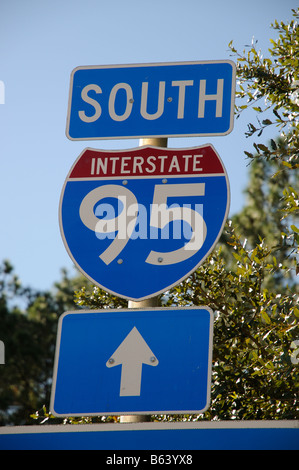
column 28, row 322
column 23, row 378
column 96, row 298
column 253, row 376
column 273, row 84
column 265, row 216
column 271, row 87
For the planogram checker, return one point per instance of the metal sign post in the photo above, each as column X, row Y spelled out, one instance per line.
column 151, row 302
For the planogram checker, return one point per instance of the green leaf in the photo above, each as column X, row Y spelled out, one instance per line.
column 263, row 147
column 265, row 317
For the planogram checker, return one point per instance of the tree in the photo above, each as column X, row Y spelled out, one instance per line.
column 23, row 376
column 262, row 218
column 28, row 325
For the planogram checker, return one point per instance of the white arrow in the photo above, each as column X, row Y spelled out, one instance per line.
column 132, row 353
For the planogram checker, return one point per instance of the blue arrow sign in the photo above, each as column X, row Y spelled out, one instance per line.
column 151, row 100
column 133, row 361
column 139, row 221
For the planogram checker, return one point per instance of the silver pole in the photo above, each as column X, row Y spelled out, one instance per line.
column 152, row 302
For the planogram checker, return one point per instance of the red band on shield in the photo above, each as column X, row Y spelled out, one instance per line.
column 147, row 162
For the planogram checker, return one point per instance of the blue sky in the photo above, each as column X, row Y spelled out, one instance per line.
column 41, row 42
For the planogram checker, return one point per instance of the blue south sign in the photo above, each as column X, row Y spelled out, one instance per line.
column 151, row 100
column 137, row 222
